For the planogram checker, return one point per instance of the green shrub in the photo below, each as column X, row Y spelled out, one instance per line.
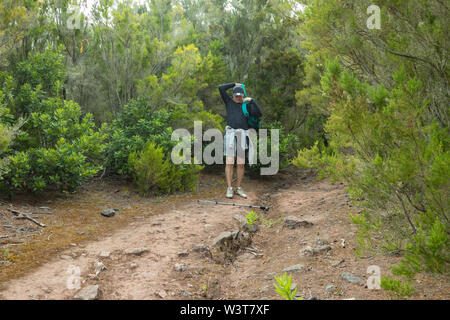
column 429, row 251
column 5, row 140
column 288, row 145
column 58, row 146
column 153, row 173
column 135, row 125
column 397, row 287
column 395, row 159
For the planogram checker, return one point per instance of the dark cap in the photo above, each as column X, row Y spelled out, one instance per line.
column 238, row 91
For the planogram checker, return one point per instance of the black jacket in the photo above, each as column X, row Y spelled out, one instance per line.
column 235, row 116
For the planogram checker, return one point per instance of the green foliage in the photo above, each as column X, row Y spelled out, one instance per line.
column 396, row 287
column 366, row 228
column 58, row 147
column 284, row 287
column 46, row 70
column 153, row 173
column 5, row 140
column 287, row 145
column 388, row 151
column 37, row 169
column 269, row 223
column 131, row 130
column 429, row 251
column 251, row 218
column 319, row 157
column 275, row 81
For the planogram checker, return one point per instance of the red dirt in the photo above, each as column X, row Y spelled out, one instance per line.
column 171, row 228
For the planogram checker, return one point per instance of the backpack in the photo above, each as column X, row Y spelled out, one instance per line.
column 253, row 122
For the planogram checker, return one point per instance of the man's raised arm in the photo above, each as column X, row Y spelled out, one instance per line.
column 223, row 91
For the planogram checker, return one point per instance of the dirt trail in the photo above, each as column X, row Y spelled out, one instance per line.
column 176, row 267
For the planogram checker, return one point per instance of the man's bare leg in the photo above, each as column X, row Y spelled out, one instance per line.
column 240, row 174
column 229, row 168
column 240, row 168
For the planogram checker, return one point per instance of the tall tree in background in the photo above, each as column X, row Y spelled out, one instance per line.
column 16, row 16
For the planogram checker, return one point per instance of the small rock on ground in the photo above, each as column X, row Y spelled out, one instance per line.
column 351, row 278
column 88, row 293
column 135, row 251
column 224, row 237
column 180, row 267
column 315, row 251
column 293, row 223
column 296, row 267
column 133, row 265
column 104, row 254
column 108, row 213
column 99, row 267
column 162, row 294
column 330, row 288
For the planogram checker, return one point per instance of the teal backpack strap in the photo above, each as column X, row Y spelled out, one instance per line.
column 245, row 92
column 244, row 109
column 244, row 105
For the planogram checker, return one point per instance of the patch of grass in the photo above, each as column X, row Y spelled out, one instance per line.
column 396, row 287
column 269, row 223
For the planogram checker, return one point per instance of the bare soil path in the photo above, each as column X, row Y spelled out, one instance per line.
column 177, row 234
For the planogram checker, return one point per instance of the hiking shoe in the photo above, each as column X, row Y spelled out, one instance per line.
column 241, row 192
column 229, row 193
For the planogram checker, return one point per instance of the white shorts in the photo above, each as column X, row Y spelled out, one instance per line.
column 235, row 142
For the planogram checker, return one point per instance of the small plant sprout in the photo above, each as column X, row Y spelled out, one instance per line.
column 251, row 218
column 284, row 287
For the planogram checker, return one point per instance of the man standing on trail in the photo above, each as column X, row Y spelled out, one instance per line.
column 235, row 139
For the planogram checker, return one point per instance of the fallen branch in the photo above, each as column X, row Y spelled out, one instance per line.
column 26, row 216
column 253, row 252
column 256, row 254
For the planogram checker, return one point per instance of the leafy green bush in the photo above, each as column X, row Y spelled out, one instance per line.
column 135, row 125
column 153, row 173
column 64, row 150
column 58, row 146
column 288, row 145
column 5, row 140
column 395, row 159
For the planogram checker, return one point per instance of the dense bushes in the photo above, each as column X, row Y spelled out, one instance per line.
column 153, row 172
column 384, row 105
column 287, row 145
column 5, row 139
column 131, row 130
column 395, row 161
column 57, row 147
